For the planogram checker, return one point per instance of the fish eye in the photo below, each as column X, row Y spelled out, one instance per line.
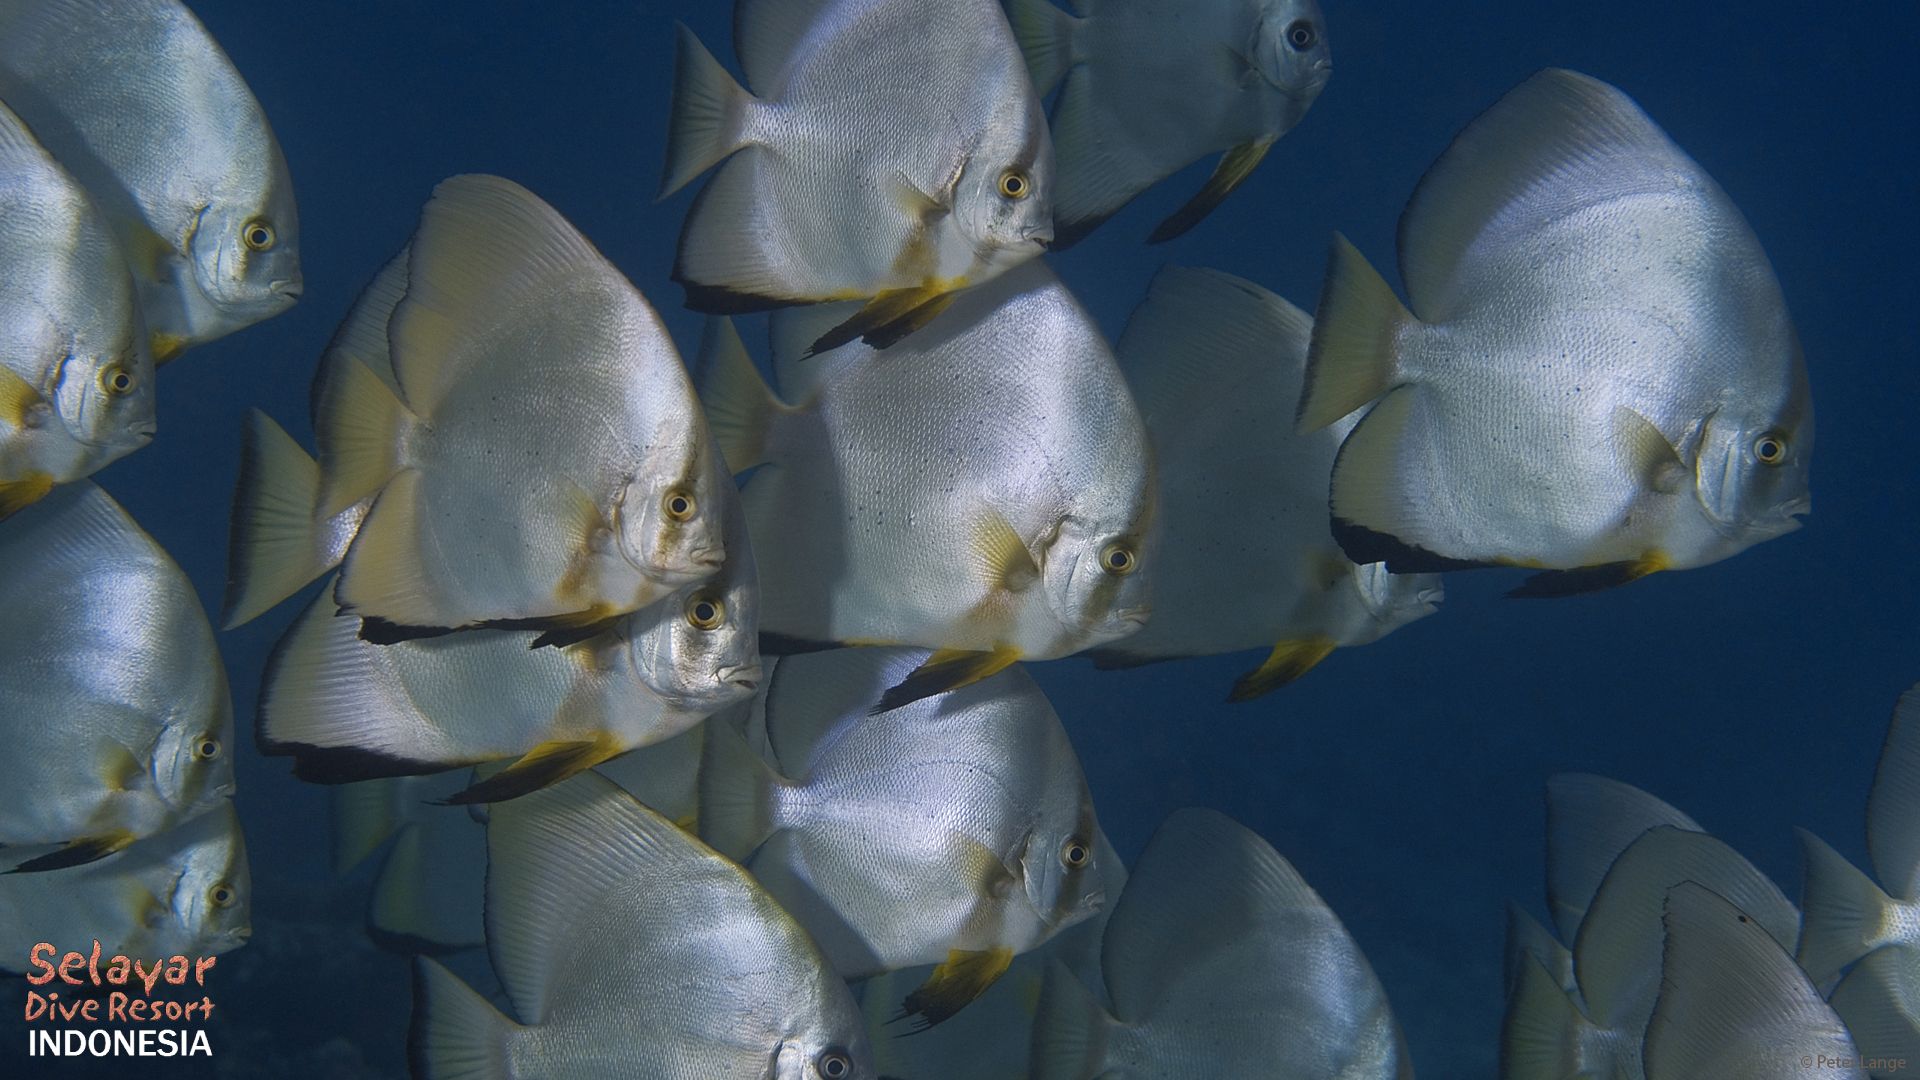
column 222, row 895
column 1301, row 35
column 1075, row 854
column 1770, row 448
column 206, row 749
column 116, row 380
column 1119, row 560
column 258, row 235
column 1014, row 184
column 834, row 1064
column 706, row 612
column 679, row 505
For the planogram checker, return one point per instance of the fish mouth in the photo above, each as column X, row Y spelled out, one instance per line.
column 288, row 289
column 747, row 676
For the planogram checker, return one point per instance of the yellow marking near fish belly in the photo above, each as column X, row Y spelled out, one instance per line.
column 166, row 346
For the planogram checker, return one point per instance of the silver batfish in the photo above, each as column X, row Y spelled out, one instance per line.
column 630, row 949
column 538, row 458
column 139, row 101
column 1153, row 87
column 985, row 489
column 1246, row 561
column 890, row 151
column 1220, row 961
column 1598, row 377
column 183, row 892
column 955, row 831
column 76, row 380
column 116, row 715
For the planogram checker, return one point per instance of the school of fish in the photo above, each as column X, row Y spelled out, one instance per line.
column 716, row 668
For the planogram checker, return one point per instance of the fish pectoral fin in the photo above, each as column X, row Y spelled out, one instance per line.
column 946, row 669
column 1233, row 169
column 77, row 852
column 1586, row 579
column 889, row 317
column 542, row 766
column 1288, row 661
column 1649, row 456
column 919, row 204
column 17, row 395
column 952, row 986
column 166, row 347
column 1351, row 359
column 1001, row 560
column 17, row 495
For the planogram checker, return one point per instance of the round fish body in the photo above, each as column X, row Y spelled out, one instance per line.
column 544, row 460
column 76, row 380
column 140, row 102
column 714, row 979
column 957, row 822
column 183, row 892
column 1246, row 560
column 984, row 485
column 888, row 146
column 118, row 720
column 1151, row 88
column 1598, row 373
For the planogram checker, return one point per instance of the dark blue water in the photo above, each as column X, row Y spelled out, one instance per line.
column 1404, row 779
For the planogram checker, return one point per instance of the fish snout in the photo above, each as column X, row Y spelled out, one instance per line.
column 287, row 289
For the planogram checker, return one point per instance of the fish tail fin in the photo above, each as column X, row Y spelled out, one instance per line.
column 271, row 542
column 1351, row 360
column 1046, row 36
column 708, row 103
column 1540, row 1028
column 742, row 410
column 456, row 1034
column 1288, row 661
column 357, row 423
column 736, row 794
column 1843, row 910
column 1069, row 1030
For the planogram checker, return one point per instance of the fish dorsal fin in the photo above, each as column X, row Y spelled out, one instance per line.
column 1203, row 882
column 766, row 36
column 1590, row 821
column 362, row 335
column 1618, row 949
column 1733, row 1004
column 553, row 856
column 1200, row 333
column 812, row 697
column 20, row 152
column 486, row 248
column 1893, row 808
column 1556, row 142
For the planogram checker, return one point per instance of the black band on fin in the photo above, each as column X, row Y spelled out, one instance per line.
column 953, row 986
column 720, row 300
column 1552, row 584
column 777, row 644
column 75, row 853
column 350, row 764
column 1363, row 546
column 540, row 767
column 1233, row 168
column 943, row 671
column 377, row 631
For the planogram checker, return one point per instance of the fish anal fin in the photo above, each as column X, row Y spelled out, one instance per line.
column 952, row 986
column 77, row 852
column 1288, row 661
column 947, row 669
column 542, row 766
column 891, row 315
column 1233, row 169
column 1586, row 579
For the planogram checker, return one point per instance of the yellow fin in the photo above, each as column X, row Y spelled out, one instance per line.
column 1000, row 557
column 77, row 852
column 17, row 495
column 382, row 573
column 542, row 766
column 891, row 316
column 119, row 767
column 952, row 986
column 1356, row 329
column 988, row 872
column 17, row 395
column 947, row 669
column 1235, row 166
column 1288, row 661
column 357, row 422
column 166, row 347
column 1585, row 579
